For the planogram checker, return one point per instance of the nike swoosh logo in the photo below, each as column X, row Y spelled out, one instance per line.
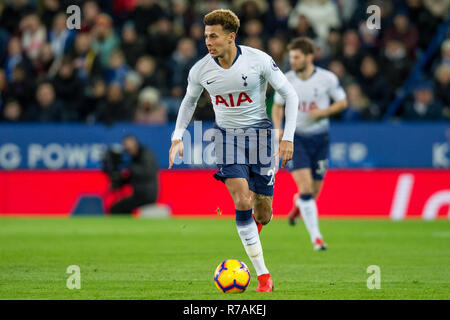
column 209, row 82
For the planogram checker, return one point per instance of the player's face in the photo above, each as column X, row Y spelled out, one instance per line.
column 298, row 60
column 218, row 41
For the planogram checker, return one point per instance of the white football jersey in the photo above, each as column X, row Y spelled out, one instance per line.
column 237, row 94
column 315, row 92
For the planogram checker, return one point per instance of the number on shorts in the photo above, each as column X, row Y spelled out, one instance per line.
column 271, row 172
column 321, row 167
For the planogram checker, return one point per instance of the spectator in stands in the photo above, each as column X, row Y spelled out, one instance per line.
column 86, row 61
column 121, row 10
column 303, row 29
column 89, row 16
column 146, row 13
column 348, row 9
column 197, row 35
column 424, row 106
column 322, row 14
column 46, row 64
column 21, row 87
column 105, row 41
column 338, row 69
column 439, row 8
column 47, row 107
column 250, row 9
column 12, row 112
column 68, row 89
column 359, row 105
column 374, row 84
column 182, row 16
column 61, row 38
column 146, row 68
column 133, row 82
column 12, row 14
column 180, row 63
column 425, row 22
column 118, row 69
column 352, row 53
column 4, row 39
column 321, row 53
column 95, row 98
column 397, row 65
column 148, row 32
column 141, row 174
column 150, row 109
column 334, row 42
column 3, row 87
column 253, row 29
column 114, row 109
column 204, row 7
column 442, row 77
column 405, row 32
column 369, row 39
column 50, row 8
column 162, row 41
column 132, row 45
column 34, row 35
column 445, row 53
column 14, row 57
column 276, row 23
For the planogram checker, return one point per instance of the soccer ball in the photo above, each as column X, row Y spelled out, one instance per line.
column 232, row 276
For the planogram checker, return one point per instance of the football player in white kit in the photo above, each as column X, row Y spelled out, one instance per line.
column 314, row 86
column 236, row 79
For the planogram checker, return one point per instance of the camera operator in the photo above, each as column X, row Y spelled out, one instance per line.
column 141, row 174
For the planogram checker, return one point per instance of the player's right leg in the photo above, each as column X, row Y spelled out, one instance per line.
column 308, row 207
column 248, row 231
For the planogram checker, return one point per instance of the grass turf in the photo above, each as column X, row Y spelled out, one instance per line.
column 125, row 258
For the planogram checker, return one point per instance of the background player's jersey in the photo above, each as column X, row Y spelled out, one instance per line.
column 237, row 94
column 315, row 92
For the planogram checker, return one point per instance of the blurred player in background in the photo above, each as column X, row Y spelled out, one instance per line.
column 236, row 79
column 314, row 86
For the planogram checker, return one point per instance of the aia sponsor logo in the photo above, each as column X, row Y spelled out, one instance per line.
column 231, row 100
column 306, row 107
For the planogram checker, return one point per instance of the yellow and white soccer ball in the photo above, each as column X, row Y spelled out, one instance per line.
column 232, row 276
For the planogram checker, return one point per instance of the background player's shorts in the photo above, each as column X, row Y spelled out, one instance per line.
column 311, row 151
column 246, row 153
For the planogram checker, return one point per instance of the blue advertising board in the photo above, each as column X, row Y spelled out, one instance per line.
column 354, row 145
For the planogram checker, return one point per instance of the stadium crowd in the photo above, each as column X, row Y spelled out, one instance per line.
column 130, row 59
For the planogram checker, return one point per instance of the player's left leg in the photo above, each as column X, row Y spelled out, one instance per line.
column 248, row 231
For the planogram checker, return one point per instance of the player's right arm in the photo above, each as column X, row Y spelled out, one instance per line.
column 185, row 113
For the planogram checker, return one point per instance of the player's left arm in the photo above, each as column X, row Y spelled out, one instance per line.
column 337, row 93
column 280, row 83
column 335, row 108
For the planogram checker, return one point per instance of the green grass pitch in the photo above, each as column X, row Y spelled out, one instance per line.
column 126, row 258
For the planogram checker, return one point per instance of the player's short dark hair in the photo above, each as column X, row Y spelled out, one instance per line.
column 226, row 18
column 304, row 44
